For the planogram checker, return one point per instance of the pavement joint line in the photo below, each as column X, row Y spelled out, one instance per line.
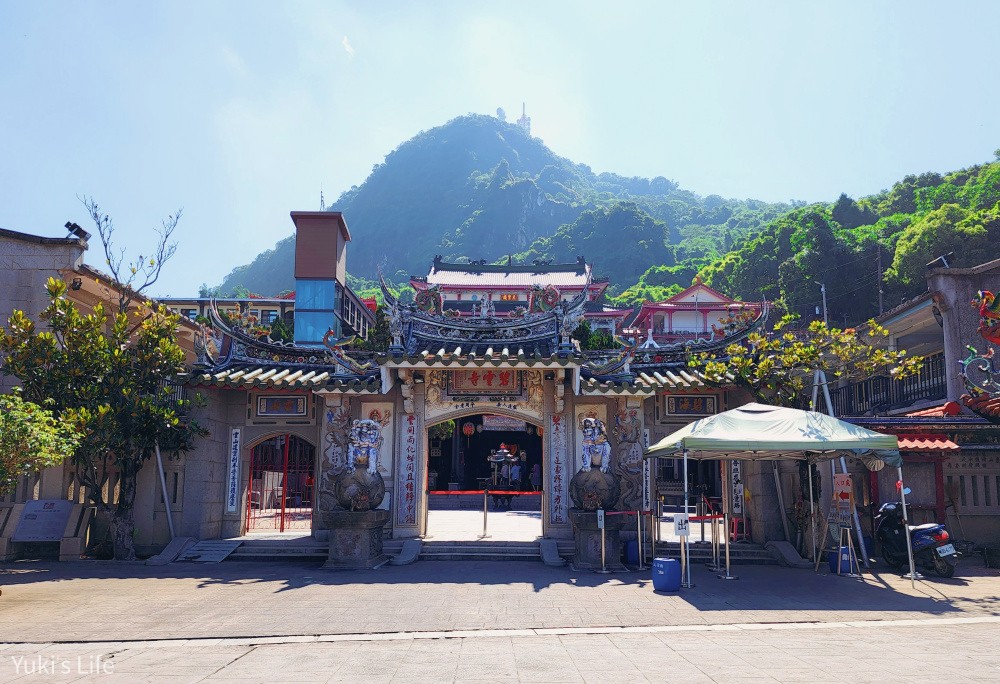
column 513, row 632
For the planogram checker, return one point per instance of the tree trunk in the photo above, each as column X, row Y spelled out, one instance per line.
column 123, row 518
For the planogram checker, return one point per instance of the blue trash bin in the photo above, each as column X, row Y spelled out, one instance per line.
column 632, row 552
column 666, row 574
column 847, row 561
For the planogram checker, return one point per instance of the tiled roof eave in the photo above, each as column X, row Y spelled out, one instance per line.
column 496, row 360
column 282, row 379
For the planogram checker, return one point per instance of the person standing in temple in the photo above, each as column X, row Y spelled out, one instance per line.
column 515, row 475
column 536, row 476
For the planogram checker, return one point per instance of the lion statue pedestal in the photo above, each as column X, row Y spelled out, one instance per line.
column 356, row 524
column 593, row 488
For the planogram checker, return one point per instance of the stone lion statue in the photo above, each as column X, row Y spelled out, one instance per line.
column 596, row 449
column 363, row 444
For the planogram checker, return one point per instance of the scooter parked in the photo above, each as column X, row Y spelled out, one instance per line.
column 932, row 549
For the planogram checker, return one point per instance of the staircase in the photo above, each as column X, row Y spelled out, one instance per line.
column 296, row 548
column 272, row 549
column 480, row 551
column 739, row 554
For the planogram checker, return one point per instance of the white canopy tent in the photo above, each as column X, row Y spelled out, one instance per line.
column 759, row 432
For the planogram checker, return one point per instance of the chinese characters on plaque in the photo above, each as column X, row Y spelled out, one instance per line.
column 686, row 405
column 484, row 381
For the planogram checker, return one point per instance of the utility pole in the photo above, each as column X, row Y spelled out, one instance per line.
column 822, row 289
column 880, row 292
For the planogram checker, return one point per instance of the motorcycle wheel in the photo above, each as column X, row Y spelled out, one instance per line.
column 892, row 561
column 943, row 567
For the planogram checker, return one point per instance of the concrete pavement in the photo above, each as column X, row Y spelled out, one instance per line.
column 451, row 621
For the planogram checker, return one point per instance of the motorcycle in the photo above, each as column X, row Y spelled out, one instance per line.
column 932, row 549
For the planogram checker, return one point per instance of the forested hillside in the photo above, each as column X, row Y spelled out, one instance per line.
column 920, row 218
column 478, row 188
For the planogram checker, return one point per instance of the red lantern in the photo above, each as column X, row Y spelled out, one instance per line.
column 468, row 429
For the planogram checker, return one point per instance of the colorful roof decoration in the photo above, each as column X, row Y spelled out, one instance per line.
column 926, row 443
column 951, row 408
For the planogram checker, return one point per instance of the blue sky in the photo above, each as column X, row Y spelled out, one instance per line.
column 240, row 112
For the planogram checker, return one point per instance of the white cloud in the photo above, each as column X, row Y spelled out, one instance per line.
column 348, row 48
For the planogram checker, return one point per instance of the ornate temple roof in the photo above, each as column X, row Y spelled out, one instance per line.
column 509, row 275
column 423, row 336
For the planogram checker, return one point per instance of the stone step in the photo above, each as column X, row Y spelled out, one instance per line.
column 480, row 550
column 741, row 554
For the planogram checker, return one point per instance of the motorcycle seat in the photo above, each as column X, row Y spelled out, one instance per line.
column 925, row 526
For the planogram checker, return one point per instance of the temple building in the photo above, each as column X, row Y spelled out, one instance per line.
column 696, row 313
column 470, row 289
column 481, row 371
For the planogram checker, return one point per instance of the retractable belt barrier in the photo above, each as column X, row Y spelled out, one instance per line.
column 501, row 492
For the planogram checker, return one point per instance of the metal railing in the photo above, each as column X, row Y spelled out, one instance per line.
column 882, row 393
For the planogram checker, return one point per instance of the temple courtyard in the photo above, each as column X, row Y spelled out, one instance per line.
column 488, row 621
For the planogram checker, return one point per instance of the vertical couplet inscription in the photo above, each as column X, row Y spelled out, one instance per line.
column 407, row 514
column 558, row 477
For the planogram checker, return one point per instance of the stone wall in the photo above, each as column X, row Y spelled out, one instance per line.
column 25, row 265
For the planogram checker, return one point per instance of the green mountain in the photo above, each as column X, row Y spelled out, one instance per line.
column 477, row 188
column 844, row 243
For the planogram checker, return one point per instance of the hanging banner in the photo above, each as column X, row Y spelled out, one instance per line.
column 647, row 486
column 504, row 424
column 736, row 469
column 233, row 493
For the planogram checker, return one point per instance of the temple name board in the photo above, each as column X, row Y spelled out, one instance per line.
column 484, row 382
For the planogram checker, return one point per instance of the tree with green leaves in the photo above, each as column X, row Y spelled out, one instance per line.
column 109, row 373
column 778, row 367
column 31, row 438
column 947, row 229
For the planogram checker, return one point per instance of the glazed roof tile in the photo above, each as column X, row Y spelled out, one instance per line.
column 281, row 377
column 926, row 443
column 950, row 408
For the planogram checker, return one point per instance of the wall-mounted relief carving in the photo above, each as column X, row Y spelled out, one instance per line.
column 336, row 420
column 628, row 461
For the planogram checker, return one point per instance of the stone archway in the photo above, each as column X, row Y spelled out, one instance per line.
column 466, row 487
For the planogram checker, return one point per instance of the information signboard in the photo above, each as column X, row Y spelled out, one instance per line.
column 600, row 518
column 43, row 520
column 843, row 500
column 682, row 525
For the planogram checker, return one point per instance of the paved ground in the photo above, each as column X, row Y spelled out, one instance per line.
column 448, row 621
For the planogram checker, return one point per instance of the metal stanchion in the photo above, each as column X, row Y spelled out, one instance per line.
column 700, row 512
column 714, row 564
column 604, row 563
column 684, row 564
column 486, row 492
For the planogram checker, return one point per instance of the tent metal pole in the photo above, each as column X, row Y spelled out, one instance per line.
column 857, row 520
column 781, row 500
column 906, row 528
column 843, row 469
column 686, row 556
column 812, row 509
column 727, row 479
